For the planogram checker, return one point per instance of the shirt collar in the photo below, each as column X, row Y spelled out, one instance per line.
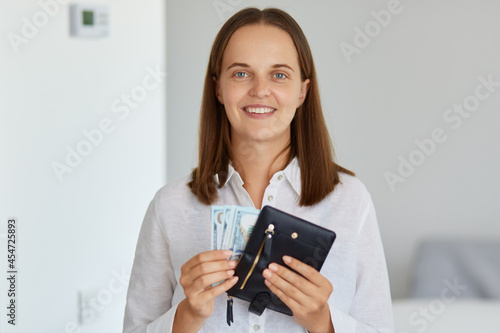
column 230, row 172
column 291, row 172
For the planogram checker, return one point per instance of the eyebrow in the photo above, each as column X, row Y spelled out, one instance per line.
column 240, row 64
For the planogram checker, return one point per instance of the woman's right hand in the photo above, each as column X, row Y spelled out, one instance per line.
column 197, row 276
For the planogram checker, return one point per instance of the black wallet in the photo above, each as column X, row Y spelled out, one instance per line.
column 274, row 235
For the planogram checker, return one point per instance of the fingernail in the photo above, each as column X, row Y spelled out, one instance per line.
column 266, row 273
column 232, row 263
column 273, row 267
column 230, row 272
column 287, row 259
column 227, row 253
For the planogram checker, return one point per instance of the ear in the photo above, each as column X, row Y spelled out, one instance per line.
column 217, row 90
column 303, row 92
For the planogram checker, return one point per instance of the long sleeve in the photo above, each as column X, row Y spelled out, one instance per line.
column 371, row 308
column 177, row 226
column 152, row 281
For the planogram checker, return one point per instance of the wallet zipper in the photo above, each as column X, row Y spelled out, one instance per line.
column 229, row 311
column 267, row 243
column 267, row 239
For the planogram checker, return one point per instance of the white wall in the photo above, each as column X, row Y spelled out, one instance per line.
column 393, row 91
column 79, row 233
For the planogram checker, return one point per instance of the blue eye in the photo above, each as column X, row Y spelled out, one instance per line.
column 240, row 74
column 280, row 76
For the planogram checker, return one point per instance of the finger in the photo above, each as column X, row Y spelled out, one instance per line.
column 213, row 292
column 284, row 278
column 287, row 288
column 187, row 277
column 289, row 301
column 207, row 256
column 211, row 267
column 187, row 274
column 305, row 270
column 311, row 274
column 206, row 281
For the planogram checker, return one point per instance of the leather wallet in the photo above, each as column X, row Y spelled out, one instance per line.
column 274, row 235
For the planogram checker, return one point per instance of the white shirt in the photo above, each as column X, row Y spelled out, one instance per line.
column 177, row 226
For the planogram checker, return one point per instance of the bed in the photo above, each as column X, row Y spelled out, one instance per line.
column 455, row 288
column 436, row 316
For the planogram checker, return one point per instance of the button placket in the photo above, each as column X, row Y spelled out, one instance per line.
column 257, row 323
column 269, row 197
column 271, row 190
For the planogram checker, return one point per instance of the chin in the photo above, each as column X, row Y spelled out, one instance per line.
column 265, row 136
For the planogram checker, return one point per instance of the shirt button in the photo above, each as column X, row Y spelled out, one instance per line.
column 280, row 177
column 256, row 327
column 270, row 198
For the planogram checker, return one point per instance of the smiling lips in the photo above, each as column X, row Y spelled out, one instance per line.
column 259, row 110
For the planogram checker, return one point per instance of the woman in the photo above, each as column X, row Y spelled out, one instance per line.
column 263, row 141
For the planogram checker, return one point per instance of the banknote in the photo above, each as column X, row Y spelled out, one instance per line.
column 231, row 227
column 244, row 219
column 228, row 225
column 217, row 226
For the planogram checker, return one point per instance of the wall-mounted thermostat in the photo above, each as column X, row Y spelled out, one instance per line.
column 89, row 20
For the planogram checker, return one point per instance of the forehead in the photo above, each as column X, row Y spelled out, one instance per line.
column 260, row 44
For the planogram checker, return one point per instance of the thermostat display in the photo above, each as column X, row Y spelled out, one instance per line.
column 89, row 20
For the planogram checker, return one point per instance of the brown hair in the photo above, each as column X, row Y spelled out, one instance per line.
column 310, row 141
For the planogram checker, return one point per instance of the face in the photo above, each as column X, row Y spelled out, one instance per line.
column 260, row 84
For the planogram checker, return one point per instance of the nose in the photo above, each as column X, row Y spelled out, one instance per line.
column 260, row 87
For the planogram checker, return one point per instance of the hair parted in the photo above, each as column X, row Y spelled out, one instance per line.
column 310, row 140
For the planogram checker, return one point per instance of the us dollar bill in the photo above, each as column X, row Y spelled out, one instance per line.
column 231, row 227
column 244, row 219
column 217, row 226
column 228, row 225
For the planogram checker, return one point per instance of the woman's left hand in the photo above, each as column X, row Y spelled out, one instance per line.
column 306, row 297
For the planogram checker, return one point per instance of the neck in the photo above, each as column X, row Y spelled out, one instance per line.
column 257, row 162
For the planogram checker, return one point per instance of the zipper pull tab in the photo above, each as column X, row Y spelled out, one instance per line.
column 268, row 240
column 229, row 311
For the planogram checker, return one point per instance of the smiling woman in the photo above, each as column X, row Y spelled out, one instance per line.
column 265, row 55
column 258, row 85
column 263, row 141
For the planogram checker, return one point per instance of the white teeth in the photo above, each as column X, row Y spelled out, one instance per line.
column 259, row 110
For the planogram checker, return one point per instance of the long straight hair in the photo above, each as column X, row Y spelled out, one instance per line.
column 309, row 139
